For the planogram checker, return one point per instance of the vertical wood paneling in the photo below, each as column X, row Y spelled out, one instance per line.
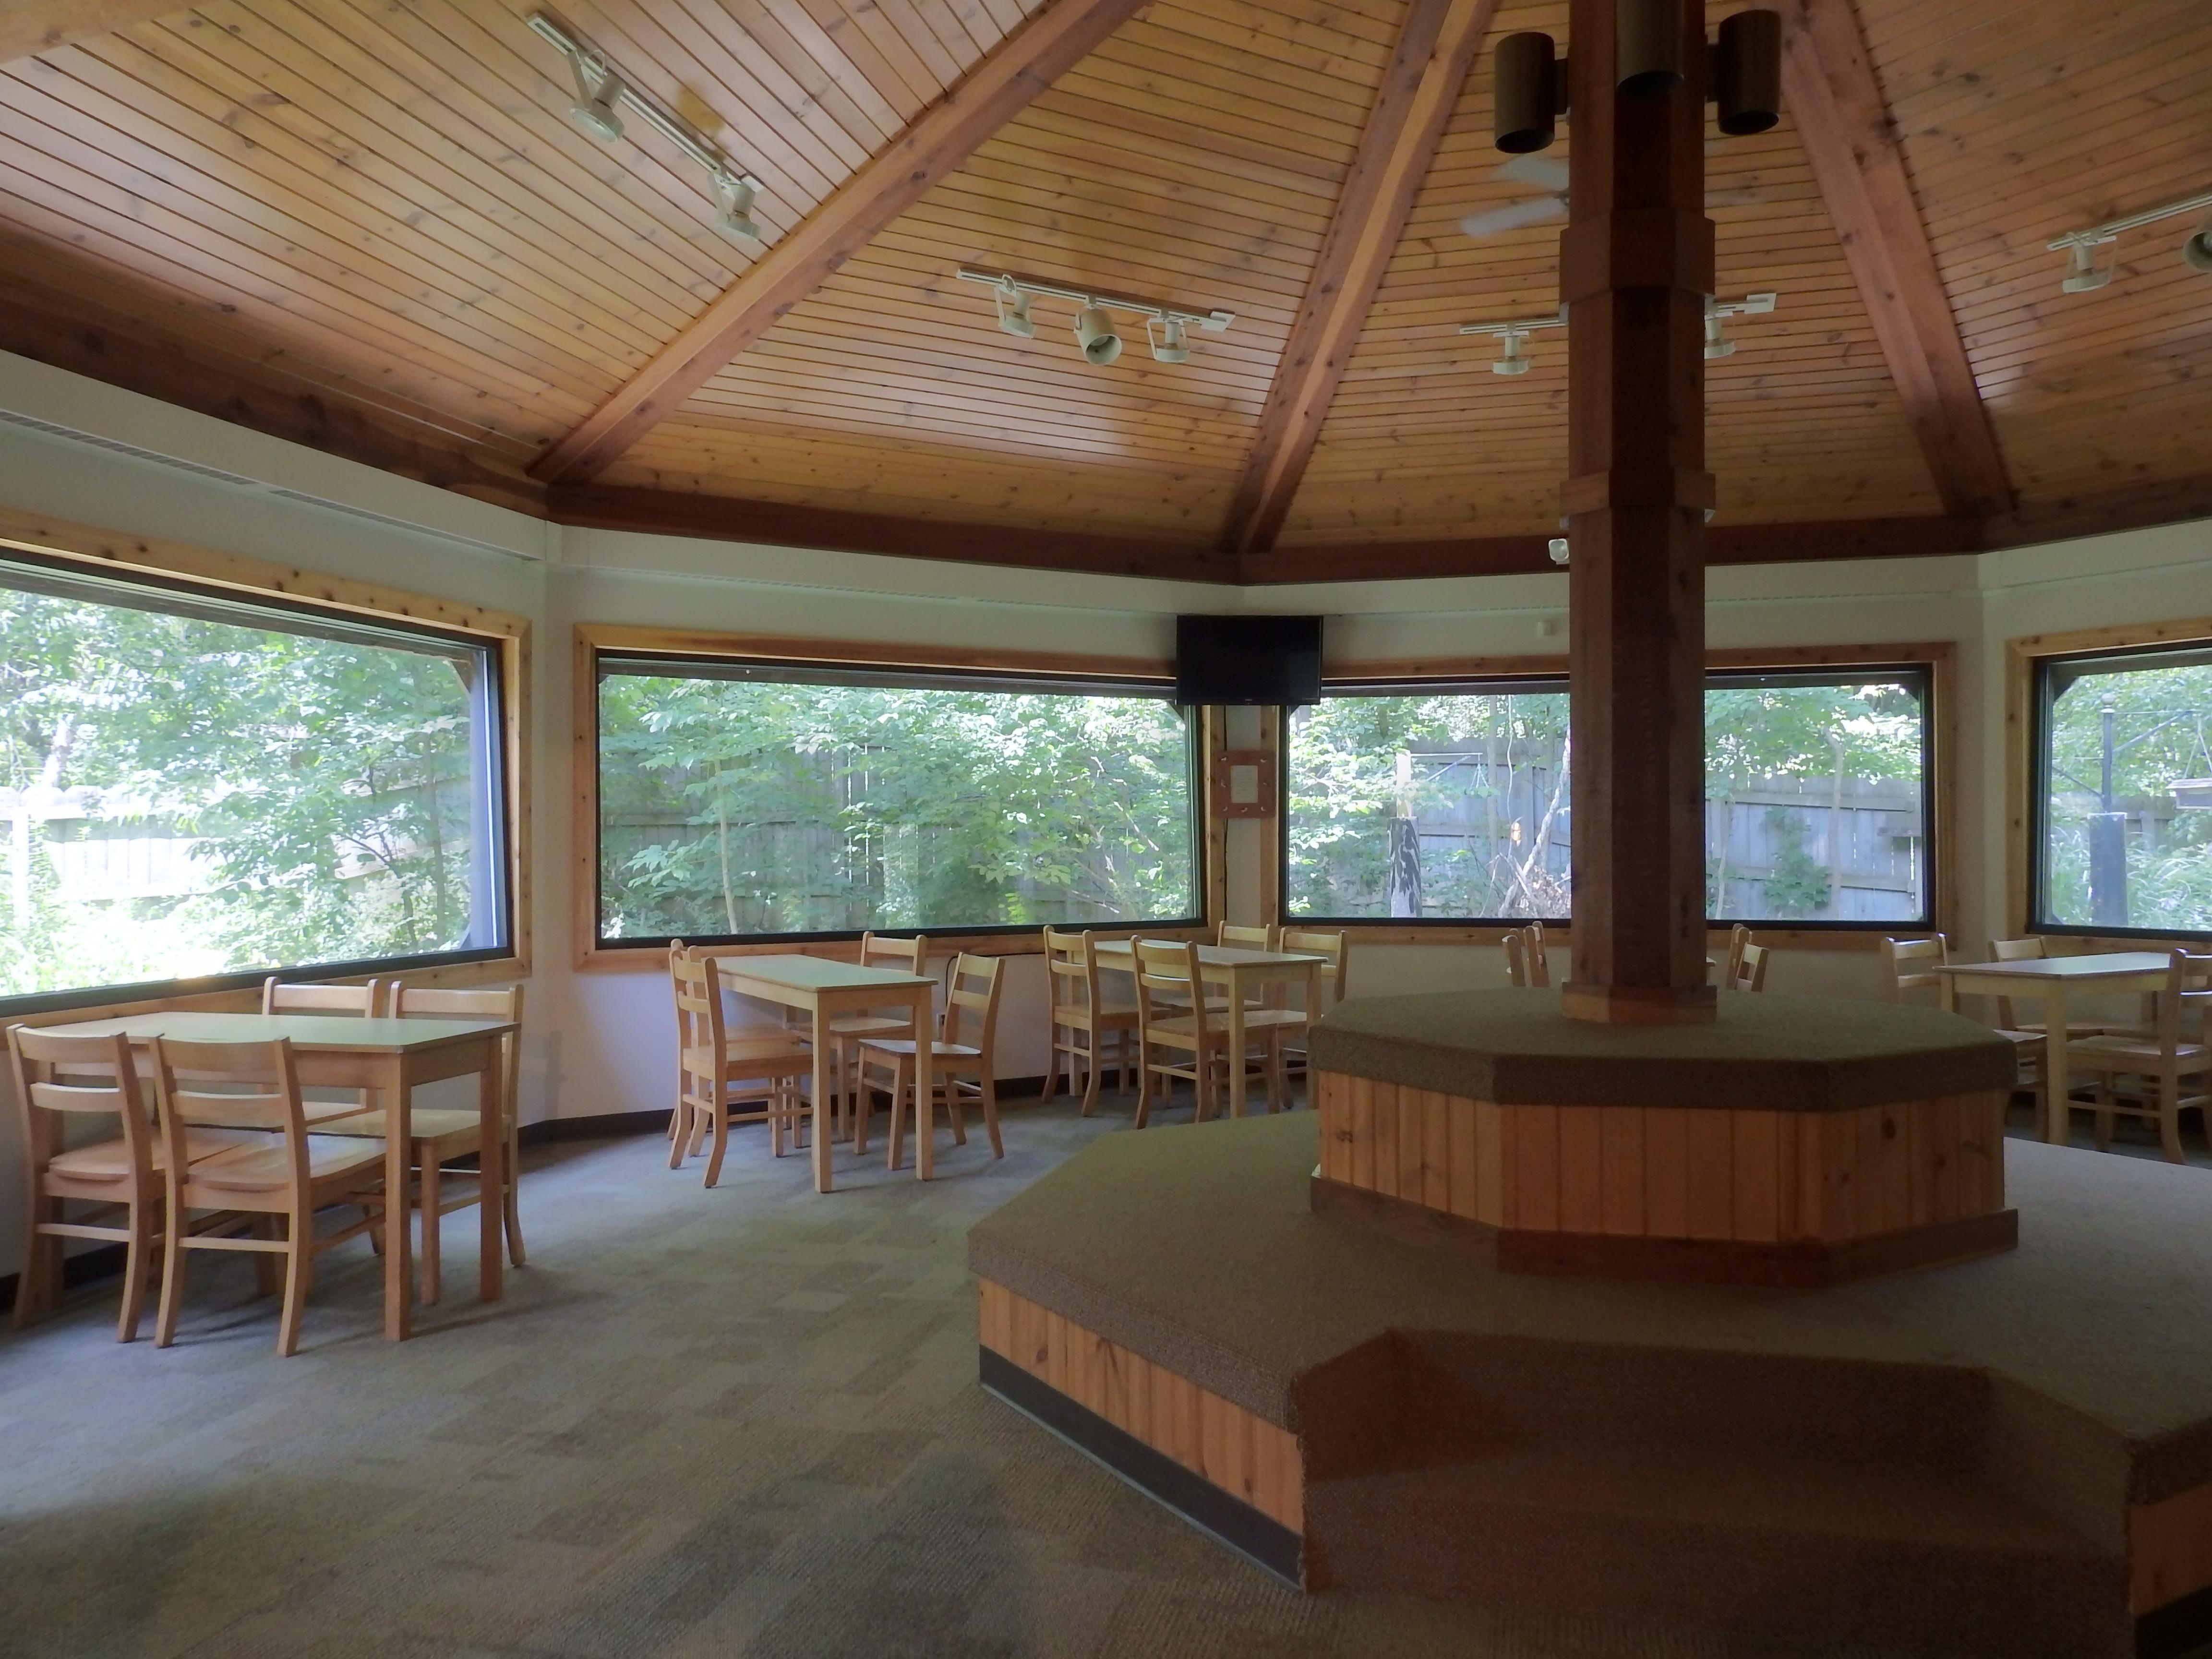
column 1624, row 1201
column 1489, row 1163
column 1711, row 1196
column 1463, row 1185
column 1582, row 1156
column 1436, row 1150
column 1242, row 1454
column 1667, row 1172
column 1534, row 1149
column 1756, row 1146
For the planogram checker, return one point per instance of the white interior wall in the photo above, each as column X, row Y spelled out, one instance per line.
column 596, row 1043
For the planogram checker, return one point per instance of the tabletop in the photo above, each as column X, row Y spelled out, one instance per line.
column 1222, row 956
column 2107, row 964
column 310, row 1031
column 814, row 973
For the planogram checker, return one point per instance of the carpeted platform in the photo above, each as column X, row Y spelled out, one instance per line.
column 1965, row 1448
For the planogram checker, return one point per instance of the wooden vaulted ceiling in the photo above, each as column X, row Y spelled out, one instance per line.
column 369, row 224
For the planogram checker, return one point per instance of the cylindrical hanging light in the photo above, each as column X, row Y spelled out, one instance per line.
column 1526, row 101
column 1094, row 332
column 1647, row 46
column 1747, row 73
column 2196, row 251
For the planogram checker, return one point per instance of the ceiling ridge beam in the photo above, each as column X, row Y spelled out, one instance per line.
column 1434, row 50
column 1851, row 142
column 28, row 27
column 940, row 140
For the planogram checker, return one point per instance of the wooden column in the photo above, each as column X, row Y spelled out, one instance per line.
column 1636, row 263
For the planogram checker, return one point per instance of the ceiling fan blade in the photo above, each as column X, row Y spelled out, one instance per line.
column 1514, row 215
column 1546, row 173
column 1741, row 196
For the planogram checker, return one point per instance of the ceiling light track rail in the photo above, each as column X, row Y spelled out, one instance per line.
column 603, row 89
column 1513, row 335
column 1094, row 328
column 2084, row 275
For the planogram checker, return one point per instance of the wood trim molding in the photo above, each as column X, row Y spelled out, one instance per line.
column 118, row 352
column 28, row 27
column 509, row 636
column 2139, row 507
column 1852, row 143
column 1435, row 49
column 1004, row 83
column 588, row 640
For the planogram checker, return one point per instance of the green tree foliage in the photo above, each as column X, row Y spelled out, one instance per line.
column 748, row 806
column 2161, row 716
column 323, row 783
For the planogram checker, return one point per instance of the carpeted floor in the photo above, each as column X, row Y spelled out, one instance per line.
column 702, row 1423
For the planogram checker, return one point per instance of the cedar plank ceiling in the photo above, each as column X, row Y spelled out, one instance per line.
column 383, row 201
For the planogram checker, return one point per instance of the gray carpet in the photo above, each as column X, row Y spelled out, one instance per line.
column 702, row 1423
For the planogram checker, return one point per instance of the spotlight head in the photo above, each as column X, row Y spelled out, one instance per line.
column 596, row 117
column 1513, row 357
column 1558, row 550
column 2196, row 251
column 1014, row 311
column 1747, row 73
column 1170, row 346
column 2083, row 275
column 1717, row 344
column 1648, row 47
column 733, row 212
column 1526, row 103
column 1094, row 332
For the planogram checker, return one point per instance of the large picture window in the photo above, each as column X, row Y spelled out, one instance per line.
column 2122, row 822
column 744, row 800
column 1453, row 803
column 204, row 788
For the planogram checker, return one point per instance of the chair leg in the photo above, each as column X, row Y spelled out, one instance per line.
column 951, row 1110
column 699, row 1117
column 173, row 1222
column 434, row 1182
column 679, row 1134
column 2105, row 1097
column 863, row 1105
column 298, row 1273
column 892, row 1154
column 991, row 1116
column 1276, row 1086
column 137, row 1267
column 511, row 1201
column 2169, row 1117
column 1144, row 1088
column 1091, row 1076
column 267, row 1279
column 722, row 1138
column 37, row 1285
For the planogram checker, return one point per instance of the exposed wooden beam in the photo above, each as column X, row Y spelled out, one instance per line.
column 1837, row 101
column 2139, row 507
column 28, row 27
column 1436, row 45
column 88, row 341
column 722, row 517
column 996, row 90
column 1817, row 542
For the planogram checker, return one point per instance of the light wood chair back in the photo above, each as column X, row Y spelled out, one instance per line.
column 971, row 1005
column 887, row 950
column 500, row 1002
column 1539, row 963
column 1333, row 945
column 1516, row 959
column 282, row 1174
column 717, row 1069
column 64, row 1085
column 1749, row 973
column 2016, row 949
column 1082, row 1025
column 1905, row 965
column 1739, row 936
column 1173, row 1015
column 366, row 1000
column 1245, row 938
column 964, row 1060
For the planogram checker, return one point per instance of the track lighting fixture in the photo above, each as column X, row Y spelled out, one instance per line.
column 1647, row 36
column 1558, row 550
column 2083, row 273
column 1743, row 72
column 1746, row 81
column 1532, row 85
column 602, row 91
column 1717, row 311
column 1095, row 331
column 1513, row 340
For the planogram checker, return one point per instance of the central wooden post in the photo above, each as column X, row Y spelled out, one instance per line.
column 1635, row 265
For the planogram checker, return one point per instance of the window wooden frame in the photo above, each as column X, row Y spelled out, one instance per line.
column 1938, row 658
column 592, row 639
column 2023, row 657
column 505, row 637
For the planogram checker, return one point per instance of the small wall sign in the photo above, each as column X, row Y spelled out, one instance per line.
column 1244, row 784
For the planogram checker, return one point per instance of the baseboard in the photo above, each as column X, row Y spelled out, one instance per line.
column 603, row 1126
column 88, row 1267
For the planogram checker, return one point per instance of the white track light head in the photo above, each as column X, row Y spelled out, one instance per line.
column 2083, row 275
column 1718, row 343
column 1513, row 357
column 733, row 212
column 1014, row 311
column 1557, row 547
column 597, row 88
column 2196, row 251
column 1170, row 345
column 1094, row 332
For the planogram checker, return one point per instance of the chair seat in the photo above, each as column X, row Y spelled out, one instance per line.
column 2022, row 1039
column 1276, row 1019
column 110, row 1160
column 866, row 1025
column 434, row 1123
column 268, row 1167
column 904, row 1048
column 2109, row 1053
column 751, row 1060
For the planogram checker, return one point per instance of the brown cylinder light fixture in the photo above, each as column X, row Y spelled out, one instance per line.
column 1747, row 73
column 1648, row 47
column 1526, row 102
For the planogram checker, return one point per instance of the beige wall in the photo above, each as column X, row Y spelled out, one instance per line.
column 597, row 1042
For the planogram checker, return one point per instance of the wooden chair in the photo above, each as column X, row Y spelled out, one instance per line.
column 961, row 1069
column 1168, row 1018
column 1533, row 952
column 2180, row 1047
column 2039, row 949
column 1516, row 959
column 755, row 1032
column 717, row 1074
column 1906, row 965
column 1739, row 936
column 1746, row 964
column 364, row 1001
column 271, row 1186
column 1079, row 1010
column 1245, row 939
column 438, row 1135
column 65, row 1080
column 847, row 1031
column 1333, row 946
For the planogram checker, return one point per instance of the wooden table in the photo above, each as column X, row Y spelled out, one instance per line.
column 825, row 990
column 2049, row 981
column 1236, row 970
column 396, row 1056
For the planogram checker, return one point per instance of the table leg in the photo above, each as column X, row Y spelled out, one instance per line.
column 825, row 1134
column 399, row 1222
column 1236, row 1043
column 2057, row 1115
column 491, row 1175
column 925, row 1089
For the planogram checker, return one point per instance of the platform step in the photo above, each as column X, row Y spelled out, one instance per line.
column 1779, row 1547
